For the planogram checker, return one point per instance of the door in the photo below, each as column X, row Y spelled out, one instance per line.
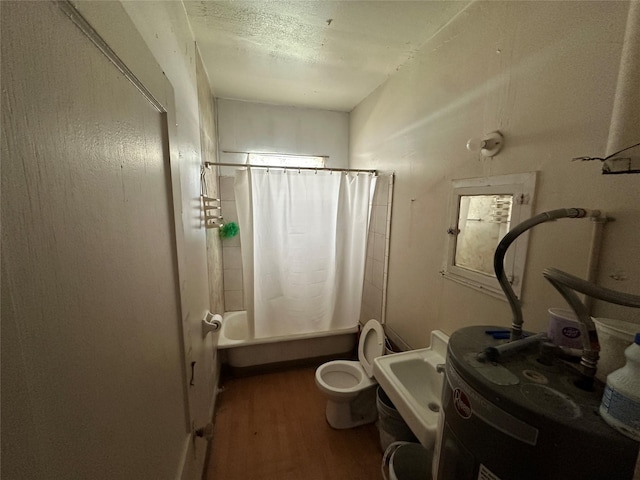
column 93, row 384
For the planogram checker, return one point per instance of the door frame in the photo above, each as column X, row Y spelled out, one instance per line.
column 112, row 34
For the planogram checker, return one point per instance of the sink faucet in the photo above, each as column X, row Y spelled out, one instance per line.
column 440, row 368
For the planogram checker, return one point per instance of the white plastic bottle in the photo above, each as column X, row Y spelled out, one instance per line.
column 620, row 405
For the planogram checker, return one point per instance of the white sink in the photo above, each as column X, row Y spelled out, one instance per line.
column 413, row 382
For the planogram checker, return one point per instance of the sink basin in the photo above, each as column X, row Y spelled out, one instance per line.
column 413, row 383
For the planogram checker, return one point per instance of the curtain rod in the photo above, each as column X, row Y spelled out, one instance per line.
column 276, row 167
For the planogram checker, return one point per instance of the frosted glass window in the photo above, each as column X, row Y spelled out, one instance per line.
column 279, row 160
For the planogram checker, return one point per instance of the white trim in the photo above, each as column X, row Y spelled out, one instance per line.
column 522, row 187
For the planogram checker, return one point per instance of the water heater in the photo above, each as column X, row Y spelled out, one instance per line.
column 523, row 418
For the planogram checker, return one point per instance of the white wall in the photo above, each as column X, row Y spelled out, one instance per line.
column 543, row 73
column 259, row 127
column 375, row 270
column 264, row 128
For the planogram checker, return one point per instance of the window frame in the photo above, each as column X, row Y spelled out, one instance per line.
column 285, row 160
column 522, row 187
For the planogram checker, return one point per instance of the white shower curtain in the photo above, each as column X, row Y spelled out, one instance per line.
column 303, row 238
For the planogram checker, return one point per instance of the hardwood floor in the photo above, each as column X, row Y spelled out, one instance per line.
column 272, row 426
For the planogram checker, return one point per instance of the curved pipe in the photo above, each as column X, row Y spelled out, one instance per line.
column 590, row 343
column 566, row 284
column 508, row 239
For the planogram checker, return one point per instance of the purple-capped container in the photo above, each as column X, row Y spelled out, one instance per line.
column 564, row 328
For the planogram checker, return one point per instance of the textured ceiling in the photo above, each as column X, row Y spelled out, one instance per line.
column 320, row 54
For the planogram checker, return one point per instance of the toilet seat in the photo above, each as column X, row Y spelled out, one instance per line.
column 371, row 345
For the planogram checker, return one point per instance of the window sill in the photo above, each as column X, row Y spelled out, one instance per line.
column 491, row 291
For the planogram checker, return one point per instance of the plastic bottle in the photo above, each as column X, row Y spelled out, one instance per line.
column 620, row 405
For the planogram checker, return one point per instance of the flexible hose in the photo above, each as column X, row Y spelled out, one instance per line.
column 508, row 239
column 566, row 283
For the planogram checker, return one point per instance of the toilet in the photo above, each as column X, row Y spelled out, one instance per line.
column 349, row 385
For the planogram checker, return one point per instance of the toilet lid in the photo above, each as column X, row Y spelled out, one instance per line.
column 371, row 345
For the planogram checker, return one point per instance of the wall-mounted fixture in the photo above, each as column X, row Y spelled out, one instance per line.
column 489, row 146
column 211, row 323
column 482, row 211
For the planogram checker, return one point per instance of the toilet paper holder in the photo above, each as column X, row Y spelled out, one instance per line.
column 211, row 323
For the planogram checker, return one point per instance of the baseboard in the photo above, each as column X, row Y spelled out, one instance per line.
column 229, row 371
column 184, row 468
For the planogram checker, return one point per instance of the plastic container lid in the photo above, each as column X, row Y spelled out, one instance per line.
column 410, row 462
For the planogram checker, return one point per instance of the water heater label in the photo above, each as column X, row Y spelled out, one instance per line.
column 621, row 408
column 469, row 402
column 570, row 332
column 486, row 474
column 462, row 403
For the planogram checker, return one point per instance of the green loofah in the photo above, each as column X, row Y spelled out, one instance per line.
column 229, row 230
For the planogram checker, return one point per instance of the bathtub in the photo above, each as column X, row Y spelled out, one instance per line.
column 241, row 351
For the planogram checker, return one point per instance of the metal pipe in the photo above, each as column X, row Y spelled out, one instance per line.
column 588, row 288
column 590, row 343
column 274, row 154
column 492, row 354
column 387, row 248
